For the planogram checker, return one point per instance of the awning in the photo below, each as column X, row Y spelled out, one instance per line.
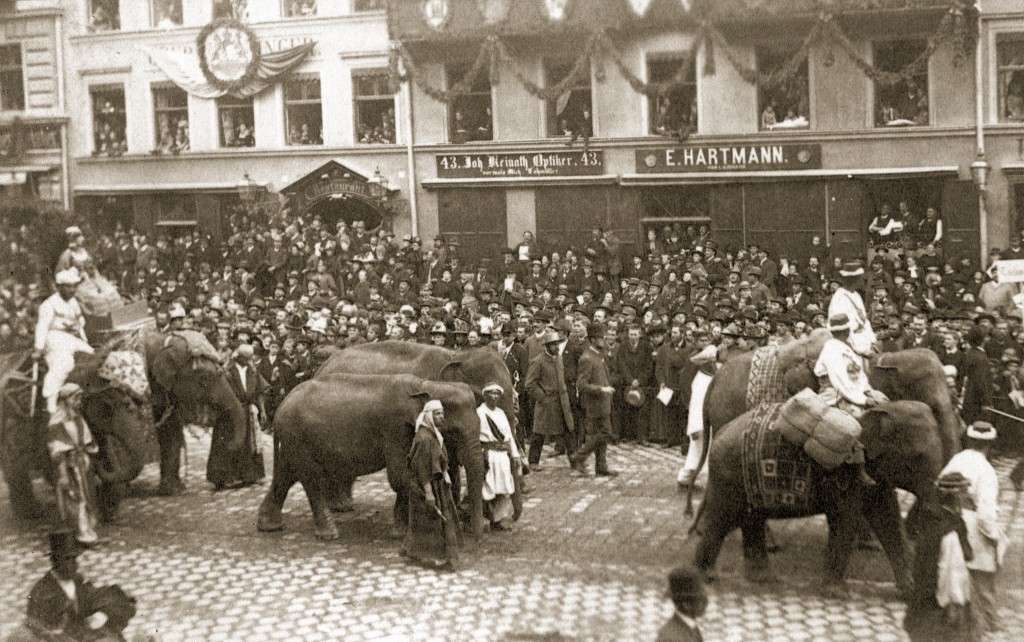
column 520, row 181
column 1013, row 169
column 876, row 173
column 122, row 189
column 18, row 174
column 177, row 223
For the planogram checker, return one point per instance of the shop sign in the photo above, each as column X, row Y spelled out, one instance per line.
column 1011, row 271
column 728, row 158
column 364, row 190
column 526, row 165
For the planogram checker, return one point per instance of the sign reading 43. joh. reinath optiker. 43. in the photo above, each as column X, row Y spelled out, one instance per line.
column 728, row 158
column 525, row 164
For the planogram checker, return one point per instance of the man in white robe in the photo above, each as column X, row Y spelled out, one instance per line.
column 502, row 457
column 60, row 333
column 846, row 300
column 706, row 362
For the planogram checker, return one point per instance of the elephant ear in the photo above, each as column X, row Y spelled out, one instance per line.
column 170, row 361
column 452, row 371
column 879, row 431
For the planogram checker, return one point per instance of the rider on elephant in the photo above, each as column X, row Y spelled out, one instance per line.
column 60, row 333
column 844, row 382
column 847, row 301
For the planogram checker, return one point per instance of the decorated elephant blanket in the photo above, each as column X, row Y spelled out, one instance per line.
column 766, row 383
column 776, row 473
column 126, row 369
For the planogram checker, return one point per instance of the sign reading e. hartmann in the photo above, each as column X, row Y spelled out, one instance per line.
column 532, row 164
column 728, row 158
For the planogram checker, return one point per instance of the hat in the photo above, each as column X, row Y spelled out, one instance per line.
column 69, row 276
column 982, row 431
column 711, row 245
column 684, row 584
column 176, row 312
column 563, row 325
column 754, row 271
column 838, row 322
column 69, row 390
column 73, row 230
column 407, row 308
column 851, row 269
column 635, row 397
column 744, row 285
column 439, row 328
column 494, row 387
column 432, row 405
column 63, row 545
column 551, row 337
column 952, row 482
column 304, row 338
column 950, row 370
column 595, row 329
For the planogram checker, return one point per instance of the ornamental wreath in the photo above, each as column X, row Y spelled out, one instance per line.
column 229, row 86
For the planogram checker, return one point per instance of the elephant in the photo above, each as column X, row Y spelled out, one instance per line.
column 346, row 426
column 475, row 366
column 914, row 374
column 903, row 448
column 118, row 421
column 181, row 384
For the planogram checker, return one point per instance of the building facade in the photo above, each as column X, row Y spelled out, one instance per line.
column 33, row 116
column 155, row 148
column 558, row 116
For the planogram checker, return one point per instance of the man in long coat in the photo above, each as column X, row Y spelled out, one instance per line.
column 552, row 414
column 632, row 366
column 594, row 385
column 673, row 370
column 977, row 376
column 245, row 466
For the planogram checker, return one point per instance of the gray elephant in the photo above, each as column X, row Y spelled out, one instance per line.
column 755, row 474
column 342, row 426
column 119, row 422
column 476, row 367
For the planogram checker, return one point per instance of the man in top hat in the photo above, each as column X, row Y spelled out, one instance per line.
column 981, row 515
column 846, row 300
column 60, row 333
column 64, row 606
column 552, row 413
column 976, row 373
column 594, row 385
column 686, row 591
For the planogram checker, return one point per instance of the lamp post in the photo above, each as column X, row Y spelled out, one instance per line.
column 383, row 191
column 979, row 175
column 254, row 195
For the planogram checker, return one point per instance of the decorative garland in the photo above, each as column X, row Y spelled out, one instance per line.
column 956, row 27
column 254, row 47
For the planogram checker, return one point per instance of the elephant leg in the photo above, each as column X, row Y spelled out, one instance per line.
column 108, row 499
column 340, row 495
column 756, row 566
column 314, row 484
column 882, row 512
column 716, row 521
column 19, row 488
column 171, row 438
column 400, row 481
column 269, row 518
column 842, row 529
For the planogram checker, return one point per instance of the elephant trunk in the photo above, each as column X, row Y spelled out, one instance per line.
column 473, row 461
column 223, row 401
column 124, row 456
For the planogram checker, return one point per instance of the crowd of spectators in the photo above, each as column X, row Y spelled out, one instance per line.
column 292, row 284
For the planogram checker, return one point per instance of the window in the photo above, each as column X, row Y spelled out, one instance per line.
column 1010, row 60
column 673, row 111
column 166, row 14
column 368, row 5
column 906, row 102
column 374, row 107
column 238, row 9
column 104, row 15
column 784, row 104
column 236, row 121
column 469, row 115
column 109, row 122
column 298, row 8
column 570, row 113
column 303, row 114
column 170, row 107
column 12, row 79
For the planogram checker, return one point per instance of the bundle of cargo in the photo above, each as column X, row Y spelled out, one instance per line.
column 800, row 415
column 833, row 439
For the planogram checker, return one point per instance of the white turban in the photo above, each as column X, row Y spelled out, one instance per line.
column 68, row 277
column 493, row 387
column 433, row 405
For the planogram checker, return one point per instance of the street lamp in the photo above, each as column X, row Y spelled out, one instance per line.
column 248, row 189
column 255, row 197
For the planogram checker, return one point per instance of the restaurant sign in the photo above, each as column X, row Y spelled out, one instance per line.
column 728, row 158
column 532, row 165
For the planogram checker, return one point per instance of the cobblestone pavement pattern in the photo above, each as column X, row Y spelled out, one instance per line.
column 587, row 562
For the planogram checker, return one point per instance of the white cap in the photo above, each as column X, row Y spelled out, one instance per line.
column 982, row 431
column 493, row 387
column 69, row 276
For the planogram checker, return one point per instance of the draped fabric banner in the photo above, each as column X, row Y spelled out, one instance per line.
column 184, row 70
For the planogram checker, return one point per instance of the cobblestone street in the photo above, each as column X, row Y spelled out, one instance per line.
column 587, row 562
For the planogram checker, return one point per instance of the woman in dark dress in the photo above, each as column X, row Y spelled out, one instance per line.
column 433, row 537
column 243, row 467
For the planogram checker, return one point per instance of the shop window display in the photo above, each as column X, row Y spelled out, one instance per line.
column 469, row 115
column 104, row 15
column 170, row 106
column 12, row 78
column 225, row 9
column 570, row 113
column 1010, row 61
column 166, row 14
column 109, row 121
column 303, row 111
column 374, row 107
column 783, row 103
column 236, row 121
column 904, row 103
column 673, row 112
